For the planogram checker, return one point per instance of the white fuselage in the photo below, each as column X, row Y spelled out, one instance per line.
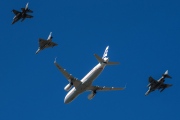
column 86, row 82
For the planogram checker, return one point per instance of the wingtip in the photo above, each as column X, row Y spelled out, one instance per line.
column 125, row 86
column 55, row 60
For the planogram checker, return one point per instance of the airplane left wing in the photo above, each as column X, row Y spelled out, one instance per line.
column 98, row 88
column 68, row 76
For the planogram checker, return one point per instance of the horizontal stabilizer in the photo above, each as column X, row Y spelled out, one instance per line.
column 165, row 75
column 100, row 60
column 112, row 63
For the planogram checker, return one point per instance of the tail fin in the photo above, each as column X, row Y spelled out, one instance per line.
column 105, row 52
column 26, row 6
column 105, row 59
column 165, row 75
column 50, row 36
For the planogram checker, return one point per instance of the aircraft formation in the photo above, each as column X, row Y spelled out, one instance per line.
column 76, row 86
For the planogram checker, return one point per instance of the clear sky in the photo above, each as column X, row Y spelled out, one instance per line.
column 143, row 36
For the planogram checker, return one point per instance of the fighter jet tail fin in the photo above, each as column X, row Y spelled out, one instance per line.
column 165, row 75
column 27, row 9
column 50, row 36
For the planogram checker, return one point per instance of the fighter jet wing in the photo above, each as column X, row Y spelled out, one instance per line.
column 29, row 16
column 151, row 80
column 52, row 44
column 42, row 42
column 15, row 12
column 165, row 86
column 68, row 76
column 98, row 88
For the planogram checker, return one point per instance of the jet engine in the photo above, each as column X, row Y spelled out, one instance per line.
column 91, row 95
column 68, row 87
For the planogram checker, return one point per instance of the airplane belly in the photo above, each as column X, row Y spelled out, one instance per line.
column 93, row 76
column 72, row 94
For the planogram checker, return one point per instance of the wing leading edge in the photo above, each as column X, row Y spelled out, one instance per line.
column 68, row 76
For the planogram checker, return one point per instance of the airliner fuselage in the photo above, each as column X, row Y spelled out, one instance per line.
column 86, row 82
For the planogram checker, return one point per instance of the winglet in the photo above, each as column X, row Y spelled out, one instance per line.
column 125, row 86
column 55, row 60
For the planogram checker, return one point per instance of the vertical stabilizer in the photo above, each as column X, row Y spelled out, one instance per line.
column 50, row 36
column 26, row 6
column 105, row 59
column 165, row 75
column 105, row 52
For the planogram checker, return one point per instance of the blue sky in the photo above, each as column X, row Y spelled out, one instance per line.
column 143, row 36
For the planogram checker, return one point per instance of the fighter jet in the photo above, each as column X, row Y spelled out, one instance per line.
column 85, row 84
column 22, row 15
column 159, row 84
column 46, row 43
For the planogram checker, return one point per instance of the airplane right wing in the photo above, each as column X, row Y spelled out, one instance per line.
column 98, row 88
column 15, row 12
column 151, row 80
column 68, row 76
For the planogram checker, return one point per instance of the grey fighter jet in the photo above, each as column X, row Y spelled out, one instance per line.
column 159, row 84
column 22, row 15
column 46, row 43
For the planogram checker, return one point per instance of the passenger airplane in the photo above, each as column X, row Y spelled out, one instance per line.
column 46, row 43
column 85, row 84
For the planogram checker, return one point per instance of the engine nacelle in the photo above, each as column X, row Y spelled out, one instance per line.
column 67, row 87
column 91, row 95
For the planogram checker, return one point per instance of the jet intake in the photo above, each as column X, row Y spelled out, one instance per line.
column 68, row 87
column 91, row 95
